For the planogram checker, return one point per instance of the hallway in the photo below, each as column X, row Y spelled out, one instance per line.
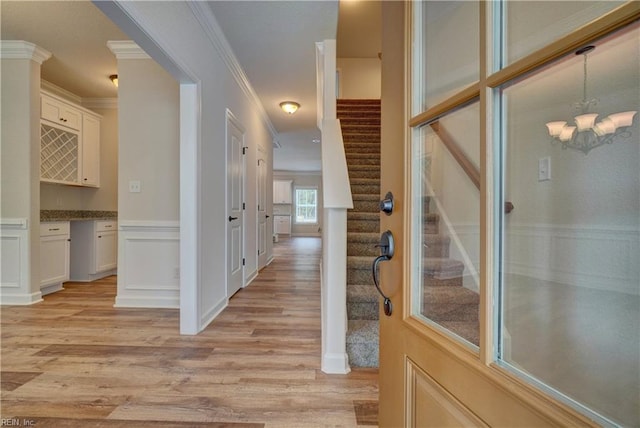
column 74, row 360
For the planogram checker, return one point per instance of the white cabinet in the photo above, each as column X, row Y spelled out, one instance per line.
column 90, row 150
column 282, row 191
column 106, row 246
column 94, row 249
column 69, row 143
column 59, row 112
column 54, row 255
column 282, row 224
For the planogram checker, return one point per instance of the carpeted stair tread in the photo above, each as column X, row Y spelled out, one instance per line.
column 437, row 245
column 364, row 171
column 363, row 343
column 357, row 137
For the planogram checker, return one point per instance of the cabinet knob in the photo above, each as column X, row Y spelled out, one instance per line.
column 99, row 236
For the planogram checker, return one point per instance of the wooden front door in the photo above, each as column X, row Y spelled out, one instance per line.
column 453, row 75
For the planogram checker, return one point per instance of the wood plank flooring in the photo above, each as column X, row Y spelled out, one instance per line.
column 75, row 361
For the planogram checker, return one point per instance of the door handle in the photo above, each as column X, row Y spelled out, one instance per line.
column 232, row 218
column 386, row 253
column 267, row 216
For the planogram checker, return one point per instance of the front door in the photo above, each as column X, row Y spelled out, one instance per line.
column 500, row 300
column 235, row 202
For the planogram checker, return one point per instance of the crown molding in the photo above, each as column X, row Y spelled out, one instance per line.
column 126, row 49
column 61, row 92
column 19, row 49
column 212, row 29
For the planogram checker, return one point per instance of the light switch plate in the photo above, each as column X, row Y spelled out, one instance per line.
column 544, row 169
column 135, row 186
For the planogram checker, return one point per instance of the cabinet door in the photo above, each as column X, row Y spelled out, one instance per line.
column 90, row 151
column 54, row 259
column 59, row 113
column 106, row 251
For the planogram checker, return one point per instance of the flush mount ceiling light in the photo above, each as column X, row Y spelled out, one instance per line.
column 289, row 107
column 114, row 79
column 587, row 134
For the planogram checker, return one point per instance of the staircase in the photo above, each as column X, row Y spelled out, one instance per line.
column 446, row 301
column 360, row 123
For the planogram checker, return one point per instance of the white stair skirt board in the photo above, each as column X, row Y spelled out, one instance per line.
column 148, row 264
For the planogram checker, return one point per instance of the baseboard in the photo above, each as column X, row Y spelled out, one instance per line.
column 19, row 299
column 251, row 277
column 335, row 363
column 144, row 301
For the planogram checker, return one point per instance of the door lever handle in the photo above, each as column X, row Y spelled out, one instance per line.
column 388, row 307
column 232, row 218
column 387, row 249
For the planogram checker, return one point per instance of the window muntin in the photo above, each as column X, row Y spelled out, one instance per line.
column 306, row 205
column 446, row 225
column 570, row 281
column 447, row 52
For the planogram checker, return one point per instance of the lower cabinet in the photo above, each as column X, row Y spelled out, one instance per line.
column 54, row 255
column 94, row 249
column 282, row 224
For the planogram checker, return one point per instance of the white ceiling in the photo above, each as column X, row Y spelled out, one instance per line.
column 274, row 42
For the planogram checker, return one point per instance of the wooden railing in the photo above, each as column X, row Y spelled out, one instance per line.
column 465, row 163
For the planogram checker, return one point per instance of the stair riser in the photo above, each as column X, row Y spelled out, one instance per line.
column 451, row 282
column 363, row 189
column 439, row 250
column 359, row 276
column 373, row 150
column 363, row 160
column 363, row 311
column 363, row 354
column 371, row 173
column 366, row 206
column 362, row 249
column 363, row 226
column 355, row 137
column 359, row 120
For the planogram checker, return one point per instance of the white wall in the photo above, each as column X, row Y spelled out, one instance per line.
column 191, row 51
column 359, row 78
column 303, row 180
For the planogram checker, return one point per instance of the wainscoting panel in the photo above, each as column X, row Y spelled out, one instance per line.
column 149, row 264
column 15, row 286
column 592, row 257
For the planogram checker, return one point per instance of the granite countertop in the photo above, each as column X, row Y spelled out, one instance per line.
column 70, row 215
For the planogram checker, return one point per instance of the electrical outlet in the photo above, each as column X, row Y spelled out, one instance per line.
column 135, row 186
column 544, row 169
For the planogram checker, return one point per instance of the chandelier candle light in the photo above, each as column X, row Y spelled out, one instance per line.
column 587, row 134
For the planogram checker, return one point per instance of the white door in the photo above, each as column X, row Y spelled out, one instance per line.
column 235, row 172
column 263, row 228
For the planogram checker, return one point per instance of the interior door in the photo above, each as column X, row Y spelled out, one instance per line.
column 235, row 199
column 444, row 349
column 263, row 216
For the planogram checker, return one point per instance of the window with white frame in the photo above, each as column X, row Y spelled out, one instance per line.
column 306, row 205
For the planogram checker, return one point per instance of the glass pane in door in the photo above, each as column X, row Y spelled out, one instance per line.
column 530, row 25
column 446, row 50
column 445, row 223
column 570, row 263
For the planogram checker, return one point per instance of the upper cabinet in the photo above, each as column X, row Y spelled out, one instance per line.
column 69, row 143
column 60, row 113
column 282, row 191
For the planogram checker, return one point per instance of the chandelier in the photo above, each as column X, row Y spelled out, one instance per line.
column 587, row 134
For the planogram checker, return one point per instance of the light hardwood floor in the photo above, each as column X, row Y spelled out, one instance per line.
column 75, row 361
